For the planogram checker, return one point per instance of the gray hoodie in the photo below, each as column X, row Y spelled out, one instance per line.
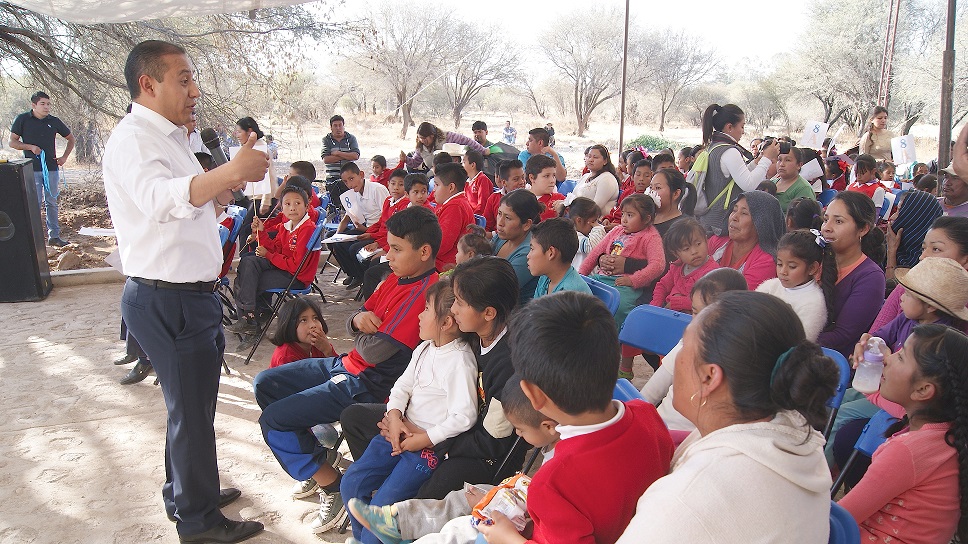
column 753, row 482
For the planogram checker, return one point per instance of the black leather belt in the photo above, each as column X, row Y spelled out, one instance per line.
column 198, row 286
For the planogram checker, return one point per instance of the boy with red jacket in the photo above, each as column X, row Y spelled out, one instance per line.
column 478, row 187
column 276, row 260
column 453, row 211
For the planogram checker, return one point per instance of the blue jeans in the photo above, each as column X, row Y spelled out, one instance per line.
column 48, row 200
column 297, row 396
column 396, row 478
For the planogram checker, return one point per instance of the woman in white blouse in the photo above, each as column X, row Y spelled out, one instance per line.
column 601, row 182
column 259, row 190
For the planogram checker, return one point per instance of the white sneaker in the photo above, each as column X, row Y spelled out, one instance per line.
column 332, row 512
column 305, row 488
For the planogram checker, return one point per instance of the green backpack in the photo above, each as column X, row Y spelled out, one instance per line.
column 697, row 177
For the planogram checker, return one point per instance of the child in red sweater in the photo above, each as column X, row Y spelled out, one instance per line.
column 377, row 232
column 276, row 260
column 565, row 348
column 478, row 188
column 540, row 173
column 510, row 177
column 687, row 239
column 381, row 174
column 301, row 333
column 453, row 211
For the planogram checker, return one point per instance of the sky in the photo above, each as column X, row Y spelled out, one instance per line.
column 733, row 29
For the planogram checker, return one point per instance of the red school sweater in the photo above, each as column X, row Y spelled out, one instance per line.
column 287, row 249
column 673, row 289
column 379, row 229
column 490, row 210
column 384, row 178
column 549, row 203
column 477, row 191
column 290, row 352
column 454, row 216
column 582, row 495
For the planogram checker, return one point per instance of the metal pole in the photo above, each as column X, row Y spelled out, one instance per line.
column 947, row 88
column 625, row 64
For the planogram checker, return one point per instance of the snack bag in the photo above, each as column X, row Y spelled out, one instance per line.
column 509, row 498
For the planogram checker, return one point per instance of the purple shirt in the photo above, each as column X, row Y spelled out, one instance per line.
column 857, row 299
column 961, row 210
column 896, row 332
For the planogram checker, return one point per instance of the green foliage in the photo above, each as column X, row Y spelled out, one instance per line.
column 653, row 143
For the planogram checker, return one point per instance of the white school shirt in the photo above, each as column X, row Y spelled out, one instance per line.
column 438, row 390
column 371, row 202
column 148, row 169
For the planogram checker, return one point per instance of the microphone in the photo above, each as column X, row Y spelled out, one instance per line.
column 214, row 144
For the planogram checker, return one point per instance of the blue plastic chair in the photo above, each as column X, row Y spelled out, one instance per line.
column 870, row 439
column 654, row 329
column 606, row 293
column 843, row 528
column 430, row 185
column 223, row 234
column 567, row 186
column 238, row 214
column 838, row 398
column 625, row 391
column 826, row 197
column 480, row 220
column 314, row 245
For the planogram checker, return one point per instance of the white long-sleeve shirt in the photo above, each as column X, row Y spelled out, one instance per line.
column 438, row 390
column 148, row 170
column 659, row 389
column 806, row 300
column 747, row 176
column 603, row 189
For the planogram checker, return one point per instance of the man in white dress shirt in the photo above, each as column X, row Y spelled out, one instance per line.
column 162, row 206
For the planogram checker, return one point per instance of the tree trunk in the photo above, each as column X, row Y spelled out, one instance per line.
column 908, row 123
column 457, row 117
column 407, row 120
column 662, row 116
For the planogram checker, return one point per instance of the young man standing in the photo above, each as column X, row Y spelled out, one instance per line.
column 537, row 144
column 339, row 148
column 33, row 133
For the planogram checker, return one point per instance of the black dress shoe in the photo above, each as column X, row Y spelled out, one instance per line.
column 128, row 358
column 348, row 280
column 56, row 242
column 354, row 284
column 225, row 497
column 137, row 374
column 226, row 531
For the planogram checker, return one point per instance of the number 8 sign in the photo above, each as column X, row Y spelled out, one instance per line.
column 902, row 149
column 814, row 133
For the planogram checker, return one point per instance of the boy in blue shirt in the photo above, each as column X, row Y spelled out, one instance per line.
column 554, row 243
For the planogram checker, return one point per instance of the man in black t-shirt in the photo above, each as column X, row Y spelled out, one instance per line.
column 33, row 132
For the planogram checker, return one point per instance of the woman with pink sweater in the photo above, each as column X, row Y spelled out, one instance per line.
column 754, row 227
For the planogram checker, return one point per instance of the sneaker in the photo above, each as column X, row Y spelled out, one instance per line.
column 331, row 512
column 376, row 519
column 305, row 488
column 627, row 374
column 56, row 242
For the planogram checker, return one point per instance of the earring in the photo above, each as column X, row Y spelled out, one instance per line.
column 693, row 397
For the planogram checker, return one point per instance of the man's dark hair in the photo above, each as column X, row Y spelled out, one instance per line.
column 475, row 158
column 147, row 58
column 335, row 118
column 536, row 164
column 516, row 403
column 350, row 167
column 541, row 135
column 417, row 225
column 452, row 173
column 414, row 179
column 304, row 169
column 34, row 98
column 559, row 233
column 205, row 160
column 295, row 189
column 479, row 125
column 567, row 345
column 504, row 168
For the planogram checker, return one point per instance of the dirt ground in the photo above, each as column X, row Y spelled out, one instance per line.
column 81, row 456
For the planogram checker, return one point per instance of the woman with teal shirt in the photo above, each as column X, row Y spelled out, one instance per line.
column 518, row 212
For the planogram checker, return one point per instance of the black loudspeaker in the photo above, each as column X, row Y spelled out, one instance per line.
column 24, row 272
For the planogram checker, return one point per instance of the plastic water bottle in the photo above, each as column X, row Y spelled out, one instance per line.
column 867, row 377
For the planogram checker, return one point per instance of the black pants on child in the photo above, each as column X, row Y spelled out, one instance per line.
column 256, row 274
column 345, row 253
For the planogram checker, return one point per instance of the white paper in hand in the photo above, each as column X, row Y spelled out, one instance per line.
column 351, row 203
column 814, row 133
column 902, row 149
column 256, row 188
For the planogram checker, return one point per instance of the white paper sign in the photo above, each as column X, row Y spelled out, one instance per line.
column 813, row 135
column 255, row 188
column 902, row 149
column 351, row 203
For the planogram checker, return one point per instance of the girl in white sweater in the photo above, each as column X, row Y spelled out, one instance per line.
column 435, row 399
column 799, row 256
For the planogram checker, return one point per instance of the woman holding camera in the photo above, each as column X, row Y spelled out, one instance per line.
column 729, row 162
